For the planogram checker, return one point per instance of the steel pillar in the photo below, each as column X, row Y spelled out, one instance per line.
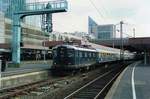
column 17, row 5
column 49, row 25
column 16, row 39
column 0, row 74
column 145, row 58
column 121, row 39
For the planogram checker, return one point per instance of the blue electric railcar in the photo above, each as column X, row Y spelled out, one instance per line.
column 71, row 57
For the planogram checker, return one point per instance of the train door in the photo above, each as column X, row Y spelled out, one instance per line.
column 71, row 56
column 62, row 55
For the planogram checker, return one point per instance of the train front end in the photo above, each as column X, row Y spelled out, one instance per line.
column 63, row 58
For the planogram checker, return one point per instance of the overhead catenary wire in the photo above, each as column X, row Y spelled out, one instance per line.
column 99, row 12
column 130, row 28
column 68, row 26
column 127, row 29
column 105, row 11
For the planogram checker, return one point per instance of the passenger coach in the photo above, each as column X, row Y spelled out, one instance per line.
column 70, row 57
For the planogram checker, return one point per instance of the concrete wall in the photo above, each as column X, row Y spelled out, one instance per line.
column 30, row 35
column 2, row 28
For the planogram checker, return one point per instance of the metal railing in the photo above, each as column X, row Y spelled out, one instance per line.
column 45, row 5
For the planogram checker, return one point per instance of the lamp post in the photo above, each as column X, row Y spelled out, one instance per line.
column 134, row 32
column 121, row 38
column 114, row 35
column 44, row 47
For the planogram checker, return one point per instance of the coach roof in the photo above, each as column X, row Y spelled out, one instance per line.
column 76, row 48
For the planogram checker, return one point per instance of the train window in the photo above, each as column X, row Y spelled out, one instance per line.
column 93, row 54
column 102, row 54
column 61, row 52
column 76, row 54
column 70, row 53
column 80, row 54
column 85, row 54
column 89, row 54
column 55, row 53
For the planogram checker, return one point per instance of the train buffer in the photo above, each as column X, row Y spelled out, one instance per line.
column 133, row 83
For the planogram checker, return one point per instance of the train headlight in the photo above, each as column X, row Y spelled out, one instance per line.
column 69, row 63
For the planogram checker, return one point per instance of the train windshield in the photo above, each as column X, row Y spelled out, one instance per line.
column 70, row 53
column 54, row 53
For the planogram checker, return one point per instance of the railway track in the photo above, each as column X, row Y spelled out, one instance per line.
column 24, row 89
column 95, row 89
column 10, row 92
column 91, row 89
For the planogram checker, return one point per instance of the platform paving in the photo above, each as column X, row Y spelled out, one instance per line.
column 32, row 65
column 133, row 83
column 27, row 67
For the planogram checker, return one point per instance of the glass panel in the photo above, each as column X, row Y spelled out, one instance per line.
column 89, row 54
column 54, row 53
column 85, row 54
column 70, row 53
column 80, row 54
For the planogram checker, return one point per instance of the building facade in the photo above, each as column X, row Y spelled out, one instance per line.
column 102, row 32
column 31, row 41
column 106, row 32
column 92, row 27
column 2, row 28
column 7, row 6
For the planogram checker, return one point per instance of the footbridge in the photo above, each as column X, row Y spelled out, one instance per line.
column 22, row 9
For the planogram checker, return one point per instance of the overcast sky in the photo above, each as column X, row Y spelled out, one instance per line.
column 135, row 13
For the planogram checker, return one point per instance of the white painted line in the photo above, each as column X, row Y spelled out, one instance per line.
column 133, row 84
column 22, row 75
column 114, row 87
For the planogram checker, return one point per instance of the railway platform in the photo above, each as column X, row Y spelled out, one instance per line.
column 30, row 65
column 28, row 72
column 133, row 83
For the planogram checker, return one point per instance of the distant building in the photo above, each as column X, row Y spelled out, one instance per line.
column 92, row 27
column 7, row 8
column 102, row 32
column 2, row 27
column 79, row 34
column 105, row 32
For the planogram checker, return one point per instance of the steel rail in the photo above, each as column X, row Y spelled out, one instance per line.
column 77, row 91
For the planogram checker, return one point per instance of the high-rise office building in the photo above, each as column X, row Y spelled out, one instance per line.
column 92, row 26
column 105, row 32
column 101, row 32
